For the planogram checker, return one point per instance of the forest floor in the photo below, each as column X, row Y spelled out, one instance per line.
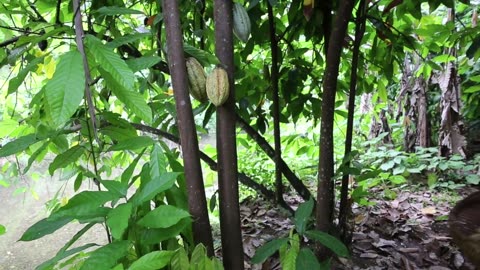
column 408, row 232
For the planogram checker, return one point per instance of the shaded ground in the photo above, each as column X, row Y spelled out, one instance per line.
column 18, row 212
column 409, row 232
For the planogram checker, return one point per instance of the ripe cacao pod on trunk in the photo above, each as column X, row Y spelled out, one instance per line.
column 241, row 22
column 218, row 87
column 196, row 79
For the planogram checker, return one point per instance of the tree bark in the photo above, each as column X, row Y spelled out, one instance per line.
column 276, row 106
column 325, row 190
column 197, row 202
column 232, row 245
column 344, row 203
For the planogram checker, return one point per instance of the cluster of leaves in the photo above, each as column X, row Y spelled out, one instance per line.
column 387, row 166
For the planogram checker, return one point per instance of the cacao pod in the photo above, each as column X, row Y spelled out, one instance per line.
column 218, row 87
column 196, row 79
column 241, row 22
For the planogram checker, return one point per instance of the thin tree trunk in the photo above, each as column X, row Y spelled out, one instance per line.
column 276, row 106
column 325, row 190
column 197, row 202
column 344, row 203
column 232, row 245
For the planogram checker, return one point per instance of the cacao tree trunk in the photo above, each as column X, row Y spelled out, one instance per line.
column 197, row 202
column 232, row 245
column 325, row 189
column 276, row 107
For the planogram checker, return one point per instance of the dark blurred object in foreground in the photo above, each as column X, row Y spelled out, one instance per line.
column 464, row 224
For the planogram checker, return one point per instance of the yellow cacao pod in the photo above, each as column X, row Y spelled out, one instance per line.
column 218, row 87
column 196, row 79
column 241, row 22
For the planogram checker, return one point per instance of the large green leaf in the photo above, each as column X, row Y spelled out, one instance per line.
column 132, row 143
column 107, row 256
column 44, row 227
column 154, row 236
column 64, row 92
column 306, row 260
column 18, row 145
column 158, row 162
column 133, row 100
column 204, row 57
column 118, row 218
column 153, row 187
column 268, row 250
column 110, row 62
column 152, row 261
column 329, row 241
column 112, row 10
column 14, row 83
column 163, row 216
column 141, row 63
column 66, row 158
column 86, row 203
column 62, row 255
column 2, row 229
column 302, row 215
column 180, row 260
column 7, row 126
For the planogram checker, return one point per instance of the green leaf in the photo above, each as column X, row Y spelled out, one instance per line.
column 289, row 260
column 112, row 10
column 44, row 227
column 118, row 218
column 444, row 58
column 83, row 203
column 306, row 260
column 472, row 89
column 107, row 256
column 41, row 151
column 153, row 187
column 329, row 241
column 64, row 92
column 78, row 181
column 142, row 63
column 203, row 57
column 62, row 255
column 154, row 236
column 152, row 261
column 180, row 260
column 132, row 143
column 302, row 215
column 126, row 39
column 110, row 63
column 3, row 230
column 198, row 255
column 66, row 158
column 163, row 216
column 133, row 100
column 268, row 250
column 7, row 126
column 14, row 83
column 158, row 162
column 18, row 145
column 127, row 174
column 116, row 187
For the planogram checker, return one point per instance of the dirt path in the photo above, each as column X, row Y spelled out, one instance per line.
column 18, row 212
